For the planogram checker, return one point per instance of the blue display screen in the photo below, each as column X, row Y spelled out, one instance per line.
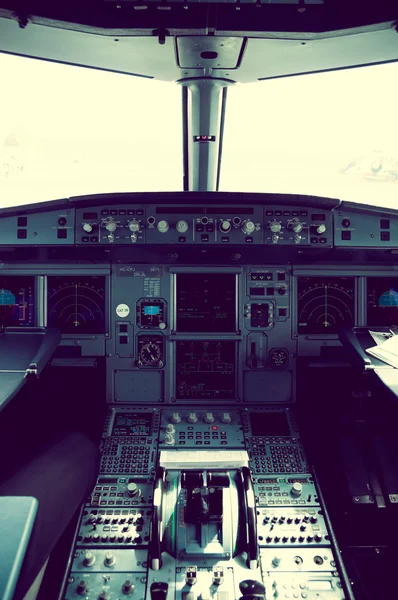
column 151, row 310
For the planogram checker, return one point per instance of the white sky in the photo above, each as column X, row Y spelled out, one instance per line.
column 83, row 131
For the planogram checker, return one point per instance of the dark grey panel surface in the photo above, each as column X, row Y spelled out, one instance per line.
column 140, row 387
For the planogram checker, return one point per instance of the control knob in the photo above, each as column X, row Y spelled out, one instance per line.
column 82, row 588
column 321, row 229
column 226, row 418
column 170, row 428
column 133, row 237
column 276, row 561
column 297, row 238
column 110, row 560
column 104, row 595
column 110, row 225
column 225, row 226
column 248, row 227
column 89, row 559
column 208, row 417
column 182, row 226
column 192, row 418
column 128, row 587
column 275, row 226
column 297, row 226
column 133, row 490
column 111, row 237
column 134, row 226
column 169, row 439
column 175, row 417
column 297, row 489
column 163, row 226
column 88, row 227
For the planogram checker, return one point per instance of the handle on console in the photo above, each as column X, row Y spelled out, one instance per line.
column 155, row 552
column 250, row 505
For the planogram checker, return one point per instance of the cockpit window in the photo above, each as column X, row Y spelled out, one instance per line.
column 330, row 134
column 68, row 131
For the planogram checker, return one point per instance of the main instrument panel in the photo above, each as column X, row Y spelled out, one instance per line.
column 201, row 322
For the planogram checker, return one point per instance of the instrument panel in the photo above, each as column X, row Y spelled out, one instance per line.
column 195, row 334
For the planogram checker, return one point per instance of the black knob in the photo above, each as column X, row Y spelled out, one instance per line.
column 62, row 221
column 345, row 222
column 159, row 590
column 252, row 590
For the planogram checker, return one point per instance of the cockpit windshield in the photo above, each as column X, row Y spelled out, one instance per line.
column 328, row 134
column 71, row 130
column 67, row 131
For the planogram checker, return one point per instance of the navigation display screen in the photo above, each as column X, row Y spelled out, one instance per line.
column 76, row 304
column 325, row 304
column 269, row 424
column 132, row 424
column 205, row 370
column 16, row 301
column 382, row 301
column 206, row 302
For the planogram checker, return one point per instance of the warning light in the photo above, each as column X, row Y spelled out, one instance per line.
column 214, row 427
column 204, row 138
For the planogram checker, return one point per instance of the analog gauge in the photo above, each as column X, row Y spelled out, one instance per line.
column 150, row 351
column 76, row 304
column 279, row 358
column 325, row 304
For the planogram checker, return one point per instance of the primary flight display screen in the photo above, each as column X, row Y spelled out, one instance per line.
column 382, row 301
column 325, row 304
column 205, row 370
column 16, row 301
column 132, row 425
column 269, row 424
column 206, row 302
